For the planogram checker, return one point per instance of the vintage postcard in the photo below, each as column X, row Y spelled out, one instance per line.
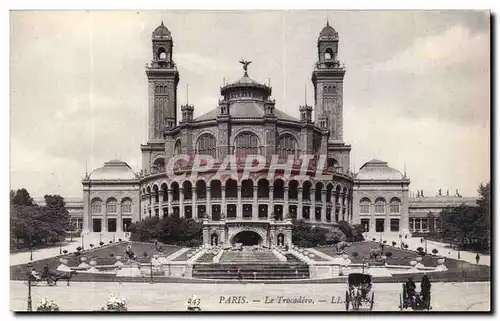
column 250, row 161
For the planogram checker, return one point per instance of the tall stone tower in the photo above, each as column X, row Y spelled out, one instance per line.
column 163, row 78
column 328, row 81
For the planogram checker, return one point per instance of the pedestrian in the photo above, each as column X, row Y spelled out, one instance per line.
column 477, row 258
column 240, row 275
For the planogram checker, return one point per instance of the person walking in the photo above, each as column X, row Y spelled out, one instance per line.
column 240, row 275
column 425, row 289
column 477, row 258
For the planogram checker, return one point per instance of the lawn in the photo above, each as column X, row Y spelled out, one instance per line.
column 100, row 254
column 403, row 257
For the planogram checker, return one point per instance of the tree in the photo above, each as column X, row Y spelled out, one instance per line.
column 434, row 251
column 394, row 243
column 431, row 219
column 304, row 235
column 483, row 224
column 21, row 197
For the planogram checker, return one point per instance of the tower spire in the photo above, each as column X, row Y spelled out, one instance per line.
column 405, row 169
column 305, row 94
column 187, row 94
column 327, row 22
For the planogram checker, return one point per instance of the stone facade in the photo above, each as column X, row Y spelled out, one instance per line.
column 247, row 122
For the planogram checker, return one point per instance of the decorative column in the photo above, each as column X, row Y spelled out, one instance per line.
column 312, row 210
column 150, row 204
column 323, row 205
column 271, row 202
column 119, row 220
column 223, row 208
column 300, row 205
column 194, row 207
column 239, row 206
column 387, row 227
column 372, row 218
column 104, row 225
column 285, row 207
column 255, row 208
column 170, row 199
column 181, row 202
column 342, row 207
column 209, row 204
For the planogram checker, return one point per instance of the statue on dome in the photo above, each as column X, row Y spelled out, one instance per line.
column 245, row 64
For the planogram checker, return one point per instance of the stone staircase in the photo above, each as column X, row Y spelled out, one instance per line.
column 244, row 257
column 253, row 265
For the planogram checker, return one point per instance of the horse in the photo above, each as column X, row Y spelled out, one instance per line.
column 375, row 253
column 64, row 276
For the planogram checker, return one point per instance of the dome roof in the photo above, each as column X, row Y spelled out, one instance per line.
column 328, row 33
column 246, row 80
column 113, row 170
column 161, row 32
column 378, row 170
column 246, row 109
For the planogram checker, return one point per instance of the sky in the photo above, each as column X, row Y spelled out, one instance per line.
column 416, row 90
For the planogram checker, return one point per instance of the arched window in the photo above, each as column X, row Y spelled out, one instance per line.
column 207, row 145
column 126, row 206
column 159, row 164
column 161, row 53
column 364, row 206
column 96, row 206
column 287, row 145
column 394, row 206
column 380, row 205
column 177, row 148
column 111, row 206
column 329, row 54
column 246, row 144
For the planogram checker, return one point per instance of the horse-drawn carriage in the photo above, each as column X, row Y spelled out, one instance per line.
column 52, row 278
column 410, row 298
column 360, row 291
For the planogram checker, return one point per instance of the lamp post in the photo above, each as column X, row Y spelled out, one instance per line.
column 29, row 287
column 82, row 242
column 60, row 247
column 425, row 245
column 100, row 237
column 31, row 251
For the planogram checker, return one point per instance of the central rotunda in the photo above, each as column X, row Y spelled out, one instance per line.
column 257, row 209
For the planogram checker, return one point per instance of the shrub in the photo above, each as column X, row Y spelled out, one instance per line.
column 406, row 246
column 65, row 251
column 388, row 254
column 119, row 240
column 110, row 242
column 101, row 243
column 355, row 254
column 394, row 243
column 91, row 245
column 385, row 242
column 434, row 251
column 145, row 254
column 111, row 254
column 420, row 249
column 79, row 248
column 374, row 239
column 77, row 253
column 334, row 236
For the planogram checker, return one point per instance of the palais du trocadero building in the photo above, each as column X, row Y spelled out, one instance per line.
column 246, row 121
